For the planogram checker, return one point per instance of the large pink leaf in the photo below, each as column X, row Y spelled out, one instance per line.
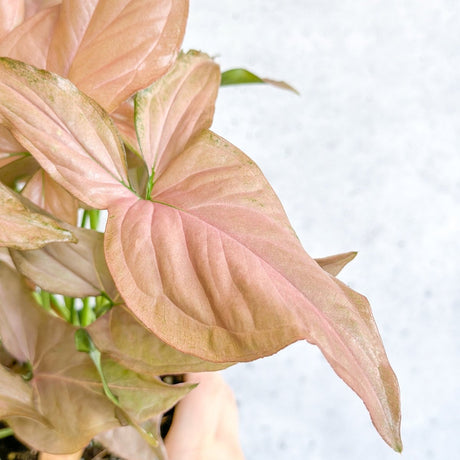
column 175, row 108
column 25, row 226
column 213, row 268
column 30, row 41
column 68, row 406
column 110, row 49
column 71, row 137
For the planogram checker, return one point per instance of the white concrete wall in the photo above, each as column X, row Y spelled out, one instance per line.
column 366, row 159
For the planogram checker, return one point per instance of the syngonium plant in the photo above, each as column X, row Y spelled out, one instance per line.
column 198, row 267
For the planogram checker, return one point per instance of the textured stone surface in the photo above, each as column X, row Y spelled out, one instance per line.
column 367, row 159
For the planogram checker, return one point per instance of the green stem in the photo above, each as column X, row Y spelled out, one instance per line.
column 87, row 315
column 46, row 300
column 60, row 309
column 150, row 183
column 94, row 219
column 5, row 432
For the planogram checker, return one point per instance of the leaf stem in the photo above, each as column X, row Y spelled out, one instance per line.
column 5, row 432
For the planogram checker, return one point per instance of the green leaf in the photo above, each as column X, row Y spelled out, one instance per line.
column 243, row 76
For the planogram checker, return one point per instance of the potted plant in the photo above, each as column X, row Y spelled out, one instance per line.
column 137, row 244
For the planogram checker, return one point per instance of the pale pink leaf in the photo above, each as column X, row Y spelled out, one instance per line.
column 110, row 49
column 42, row 190
column 334, row 264
column 175, row 108
column 67, row 392
column 71, row 26
column 122, row 338
column 11, row 15
column 71, row 137
column 221, row 275
column 75, row 270
column 25, row 226
column 29, row 42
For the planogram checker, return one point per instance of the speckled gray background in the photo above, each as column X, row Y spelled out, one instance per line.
column 367, row 158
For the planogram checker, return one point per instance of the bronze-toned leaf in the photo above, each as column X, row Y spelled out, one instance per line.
column 25, row 226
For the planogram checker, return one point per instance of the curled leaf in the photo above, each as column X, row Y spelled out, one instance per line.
column 334, row 264
column 25, row 226
column 243, row 76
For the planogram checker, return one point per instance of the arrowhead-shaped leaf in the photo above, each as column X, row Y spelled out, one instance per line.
column 25, row 226
column 110, row 50
column 71, row 137
column 221, row 275
column 67, row 392
column 175, row 108
column 123, row 339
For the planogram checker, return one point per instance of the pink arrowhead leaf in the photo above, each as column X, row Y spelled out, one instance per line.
column 68, row 406
column 175, row 108
column 25, row 226
column 121, row 337
column 71, row 137
column 75, row 270
column 213, row 268
column 334, row 264
column 111, row 50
